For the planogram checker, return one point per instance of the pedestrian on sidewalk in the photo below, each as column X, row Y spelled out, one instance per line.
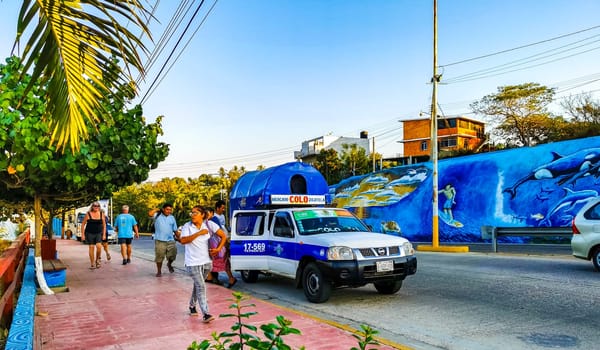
column 93, row 231
column 126, row 226
column 165, row 231
column 194, row 237
column 221, row 259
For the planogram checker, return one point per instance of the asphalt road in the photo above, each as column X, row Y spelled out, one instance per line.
column 537, row 298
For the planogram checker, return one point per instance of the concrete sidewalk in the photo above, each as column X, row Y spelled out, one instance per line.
column 126, row 307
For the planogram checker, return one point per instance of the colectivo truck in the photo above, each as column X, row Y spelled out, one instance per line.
column 280, row 225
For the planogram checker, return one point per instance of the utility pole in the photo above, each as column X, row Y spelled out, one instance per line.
column 435, row 238
column 434, row 139
column 373, row 154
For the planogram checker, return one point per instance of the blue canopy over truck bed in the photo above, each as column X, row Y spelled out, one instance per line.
column 295, row 181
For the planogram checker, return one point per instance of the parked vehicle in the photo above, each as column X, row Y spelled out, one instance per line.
column 112, row 235
column 321, row 248
column 280, row 225
column 585, row 242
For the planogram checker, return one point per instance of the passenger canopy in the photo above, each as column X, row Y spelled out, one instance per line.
column 253, row 190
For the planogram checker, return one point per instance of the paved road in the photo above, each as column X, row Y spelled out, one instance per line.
column 539, row 298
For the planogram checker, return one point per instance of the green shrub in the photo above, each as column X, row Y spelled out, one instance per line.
column 244, row 335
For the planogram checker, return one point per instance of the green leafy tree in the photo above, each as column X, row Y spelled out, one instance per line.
column 582, row 120
column 122, row 152
column 330, row 165
column 355, row 160
column 70, row 48
column 519, row 113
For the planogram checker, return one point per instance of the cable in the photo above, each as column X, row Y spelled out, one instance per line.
column 172, row 52
column 515, row 63
column 183, row 49
column 519, row 47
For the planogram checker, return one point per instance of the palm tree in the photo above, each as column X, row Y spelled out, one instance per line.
column 71, row 47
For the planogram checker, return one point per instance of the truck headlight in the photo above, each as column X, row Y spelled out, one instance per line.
column 340, row 253
column 408, row 248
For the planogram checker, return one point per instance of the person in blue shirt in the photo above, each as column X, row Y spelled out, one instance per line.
column 126, row 226
column 165, row 231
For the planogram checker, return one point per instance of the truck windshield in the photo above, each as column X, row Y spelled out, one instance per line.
column 317, row 221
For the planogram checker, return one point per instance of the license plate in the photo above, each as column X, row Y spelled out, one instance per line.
column 385, row 266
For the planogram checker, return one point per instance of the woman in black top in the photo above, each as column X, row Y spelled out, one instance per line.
column 93, row 231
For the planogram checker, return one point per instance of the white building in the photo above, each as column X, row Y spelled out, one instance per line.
column 312, row 148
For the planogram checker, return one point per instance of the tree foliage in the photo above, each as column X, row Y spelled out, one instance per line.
column 519, row 113
column 330, row 165
column 355, row 160
column 122, row 152
column 182, row 194
column 70, row 48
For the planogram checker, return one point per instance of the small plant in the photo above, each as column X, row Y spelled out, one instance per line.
column 366, row 337
column 240, row 337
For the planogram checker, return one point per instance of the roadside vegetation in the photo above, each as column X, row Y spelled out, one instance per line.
column 244, row 335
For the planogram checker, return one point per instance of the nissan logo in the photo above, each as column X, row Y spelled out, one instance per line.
column 381, row 251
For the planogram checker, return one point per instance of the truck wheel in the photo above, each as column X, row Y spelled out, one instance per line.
column 316, row 287
column 388, row 287
column 249, row 276
column 596, row 258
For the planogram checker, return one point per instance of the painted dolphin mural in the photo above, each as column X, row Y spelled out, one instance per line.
column 566, row 168
column 568, row 204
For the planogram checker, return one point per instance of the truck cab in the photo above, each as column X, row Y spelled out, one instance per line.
column 321, row 248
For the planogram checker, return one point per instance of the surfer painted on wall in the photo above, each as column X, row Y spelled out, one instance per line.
column 447, row 216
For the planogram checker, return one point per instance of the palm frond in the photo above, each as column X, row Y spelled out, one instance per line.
column 71, row 48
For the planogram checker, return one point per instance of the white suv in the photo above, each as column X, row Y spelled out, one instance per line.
column 586, row 233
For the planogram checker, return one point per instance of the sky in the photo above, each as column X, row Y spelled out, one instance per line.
column 252, row 79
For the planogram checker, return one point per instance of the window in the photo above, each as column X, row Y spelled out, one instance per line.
column 446, row 123
column 298, row 184
column 423, row 145
column 250, row 224
column 283, row 226
column 448, row 142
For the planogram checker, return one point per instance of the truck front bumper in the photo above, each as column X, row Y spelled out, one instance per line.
column 361, row 272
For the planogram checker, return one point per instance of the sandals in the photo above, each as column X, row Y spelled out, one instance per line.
column 98, row 264
column 107, row 256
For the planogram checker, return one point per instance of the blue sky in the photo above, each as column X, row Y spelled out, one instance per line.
column 261, row 76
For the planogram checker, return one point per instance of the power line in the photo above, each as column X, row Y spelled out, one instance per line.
column 172, row 51
column 150, row 92
column 483, row 73
column 519, row 47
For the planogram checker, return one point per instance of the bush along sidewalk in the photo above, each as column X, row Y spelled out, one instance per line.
column 244, row 336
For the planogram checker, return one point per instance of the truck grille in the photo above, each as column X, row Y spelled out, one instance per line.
column 379, row 251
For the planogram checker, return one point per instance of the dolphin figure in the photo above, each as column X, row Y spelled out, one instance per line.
column 567, row 203
column 566, row 167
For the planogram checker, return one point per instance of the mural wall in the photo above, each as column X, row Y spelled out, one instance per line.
column 535, row 186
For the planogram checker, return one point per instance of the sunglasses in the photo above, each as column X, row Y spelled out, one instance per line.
column 97, row 206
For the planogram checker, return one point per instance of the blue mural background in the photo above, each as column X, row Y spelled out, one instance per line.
column 532, row 186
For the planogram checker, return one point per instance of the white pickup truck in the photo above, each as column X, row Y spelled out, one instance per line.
column 321, row 248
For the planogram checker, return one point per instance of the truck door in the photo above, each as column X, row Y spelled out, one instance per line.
column 282, row 248
column 249, row 240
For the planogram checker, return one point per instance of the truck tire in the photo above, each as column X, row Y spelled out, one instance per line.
column 316, row 287
column 388, row 287
column 249, row 276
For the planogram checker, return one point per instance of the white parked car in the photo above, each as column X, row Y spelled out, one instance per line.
column 112, row 235
column 586, row 233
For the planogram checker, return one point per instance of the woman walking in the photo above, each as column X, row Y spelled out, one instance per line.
column 194, row 236
column 93, row 231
